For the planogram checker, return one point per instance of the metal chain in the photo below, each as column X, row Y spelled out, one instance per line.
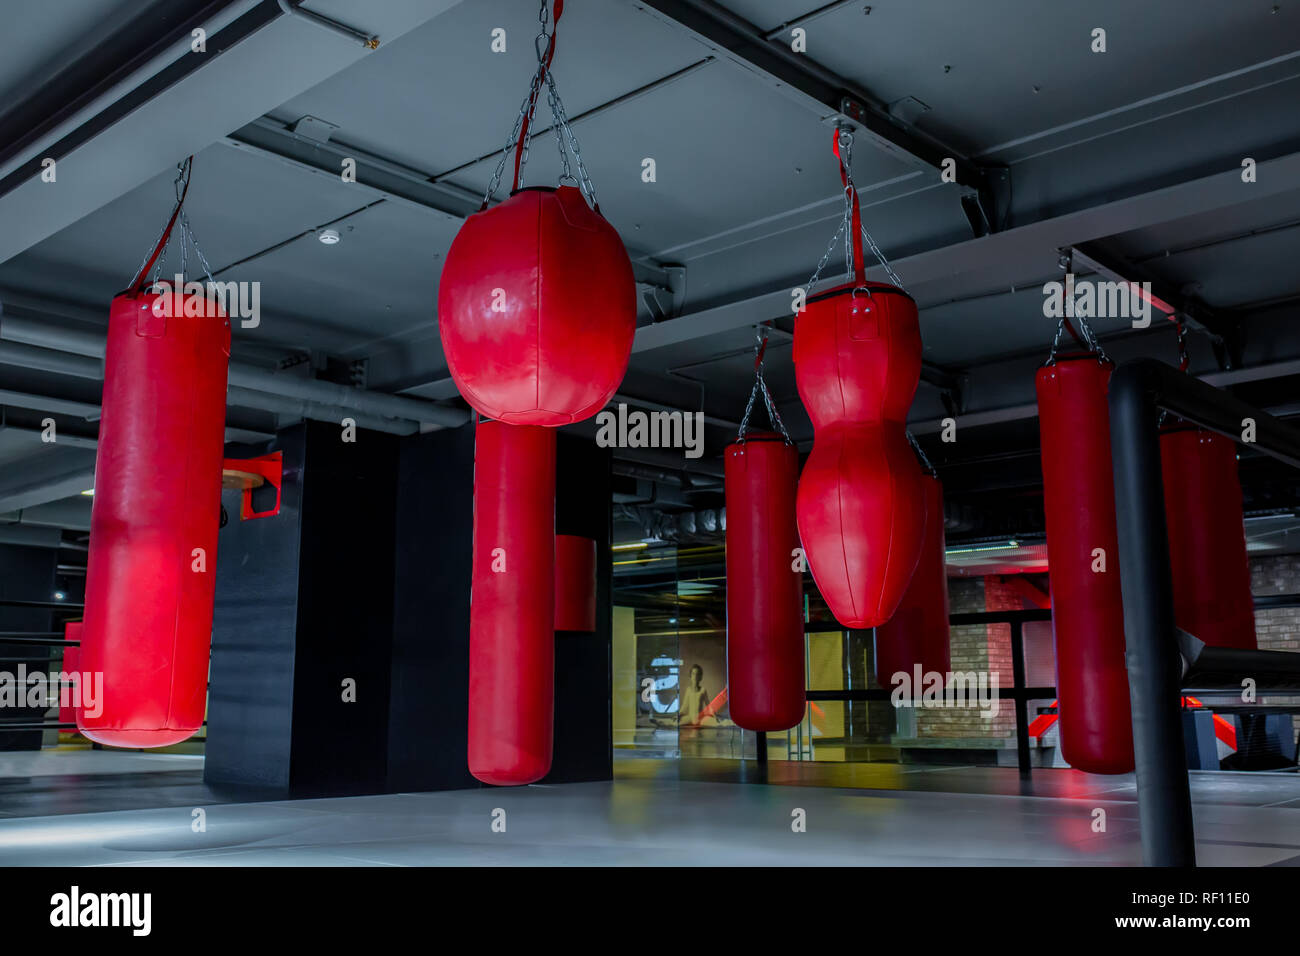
column 1056, row 341
column 846, row 224
column 1090, row 339
column 760, row 385
column 826, row 257
column 1184, row 357
column 189, row 231
column 562, row 118
column 495, row 183
column 565, row 139
column 1094, row 343
column 889, row 270
column 916, row 447
column 178, row 184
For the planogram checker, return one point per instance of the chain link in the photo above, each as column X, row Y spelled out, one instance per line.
column 846, row 225
column 1184, row 357
column 1066, row 262
column 565, row 140
column 916, row 447
column 760, row 386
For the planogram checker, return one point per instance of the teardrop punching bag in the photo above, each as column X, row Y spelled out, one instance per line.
column 1207, row 537
column 512, row 604
column 150, row 578
column 537, row 304
column 1087, row 607
column 861, row 503
column 918, row 633
column 765, row 642
column 537, row 309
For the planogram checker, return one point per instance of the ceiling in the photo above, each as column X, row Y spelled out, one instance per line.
column 1136, row 152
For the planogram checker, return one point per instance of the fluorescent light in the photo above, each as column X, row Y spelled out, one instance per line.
column 90, row 492
column 1009, row 546
column 630, row 546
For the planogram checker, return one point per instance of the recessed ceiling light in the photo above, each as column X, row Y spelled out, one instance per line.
column 329, row 236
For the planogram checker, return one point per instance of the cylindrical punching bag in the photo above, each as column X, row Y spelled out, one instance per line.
column 1207, row 537
column 512, row 604
column 537, row 309
column 765, row 640
column 151, row 569
column 1082, row 553
column 918, row 633
column 861, row 501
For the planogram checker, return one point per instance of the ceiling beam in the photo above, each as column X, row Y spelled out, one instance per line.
column 998, row 260
column 254, row 63
column 1099, row 258
column 733, row 38
column 391, row 180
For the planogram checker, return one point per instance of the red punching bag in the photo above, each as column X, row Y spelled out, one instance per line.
column 151, row 569
column 1207, row 537
column 765, row 640
column 918, row 632
column 537, row 309
column 1082, row 554
column 537, row 303
column 512, row 604
column 861, row 507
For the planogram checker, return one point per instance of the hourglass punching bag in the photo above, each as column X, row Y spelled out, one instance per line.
column 861, row 502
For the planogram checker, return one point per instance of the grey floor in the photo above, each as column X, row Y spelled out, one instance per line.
column 655, row 813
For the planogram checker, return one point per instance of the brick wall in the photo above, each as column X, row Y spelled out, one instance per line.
column 1277, row 629
column 979, row 648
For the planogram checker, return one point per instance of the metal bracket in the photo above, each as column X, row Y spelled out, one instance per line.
column 666, row 303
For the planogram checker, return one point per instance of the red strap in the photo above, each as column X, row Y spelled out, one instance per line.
column 1075, row 335
column 134, row 289
column 542, row 69
column 758, row 359
column 859, row 271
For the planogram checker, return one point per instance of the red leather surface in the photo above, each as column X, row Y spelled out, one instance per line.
column 557, row 350
column 575, row 583
column 512, row 612
column 1087, row 607
column 860, row 505
column 918, row 633
column 1207, row 538
column 148, row 616
column 765, row 640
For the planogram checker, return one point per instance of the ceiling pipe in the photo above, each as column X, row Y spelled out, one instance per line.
column 36, row 344
column 80, row 366
column 367, row 40
column 317, row 411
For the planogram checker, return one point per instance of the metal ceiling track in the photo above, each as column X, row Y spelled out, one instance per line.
column 736, row 39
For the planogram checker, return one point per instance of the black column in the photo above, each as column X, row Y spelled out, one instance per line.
column 430, row 668
column 305, row 603
column 584, row 735
column 26, row 574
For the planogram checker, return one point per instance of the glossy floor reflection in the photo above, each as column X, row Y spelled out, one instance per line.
column 659, row 813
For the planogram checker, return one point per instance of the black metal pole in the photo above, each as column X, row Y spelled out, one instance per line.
column 1154, row 664
column 1022, row 712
